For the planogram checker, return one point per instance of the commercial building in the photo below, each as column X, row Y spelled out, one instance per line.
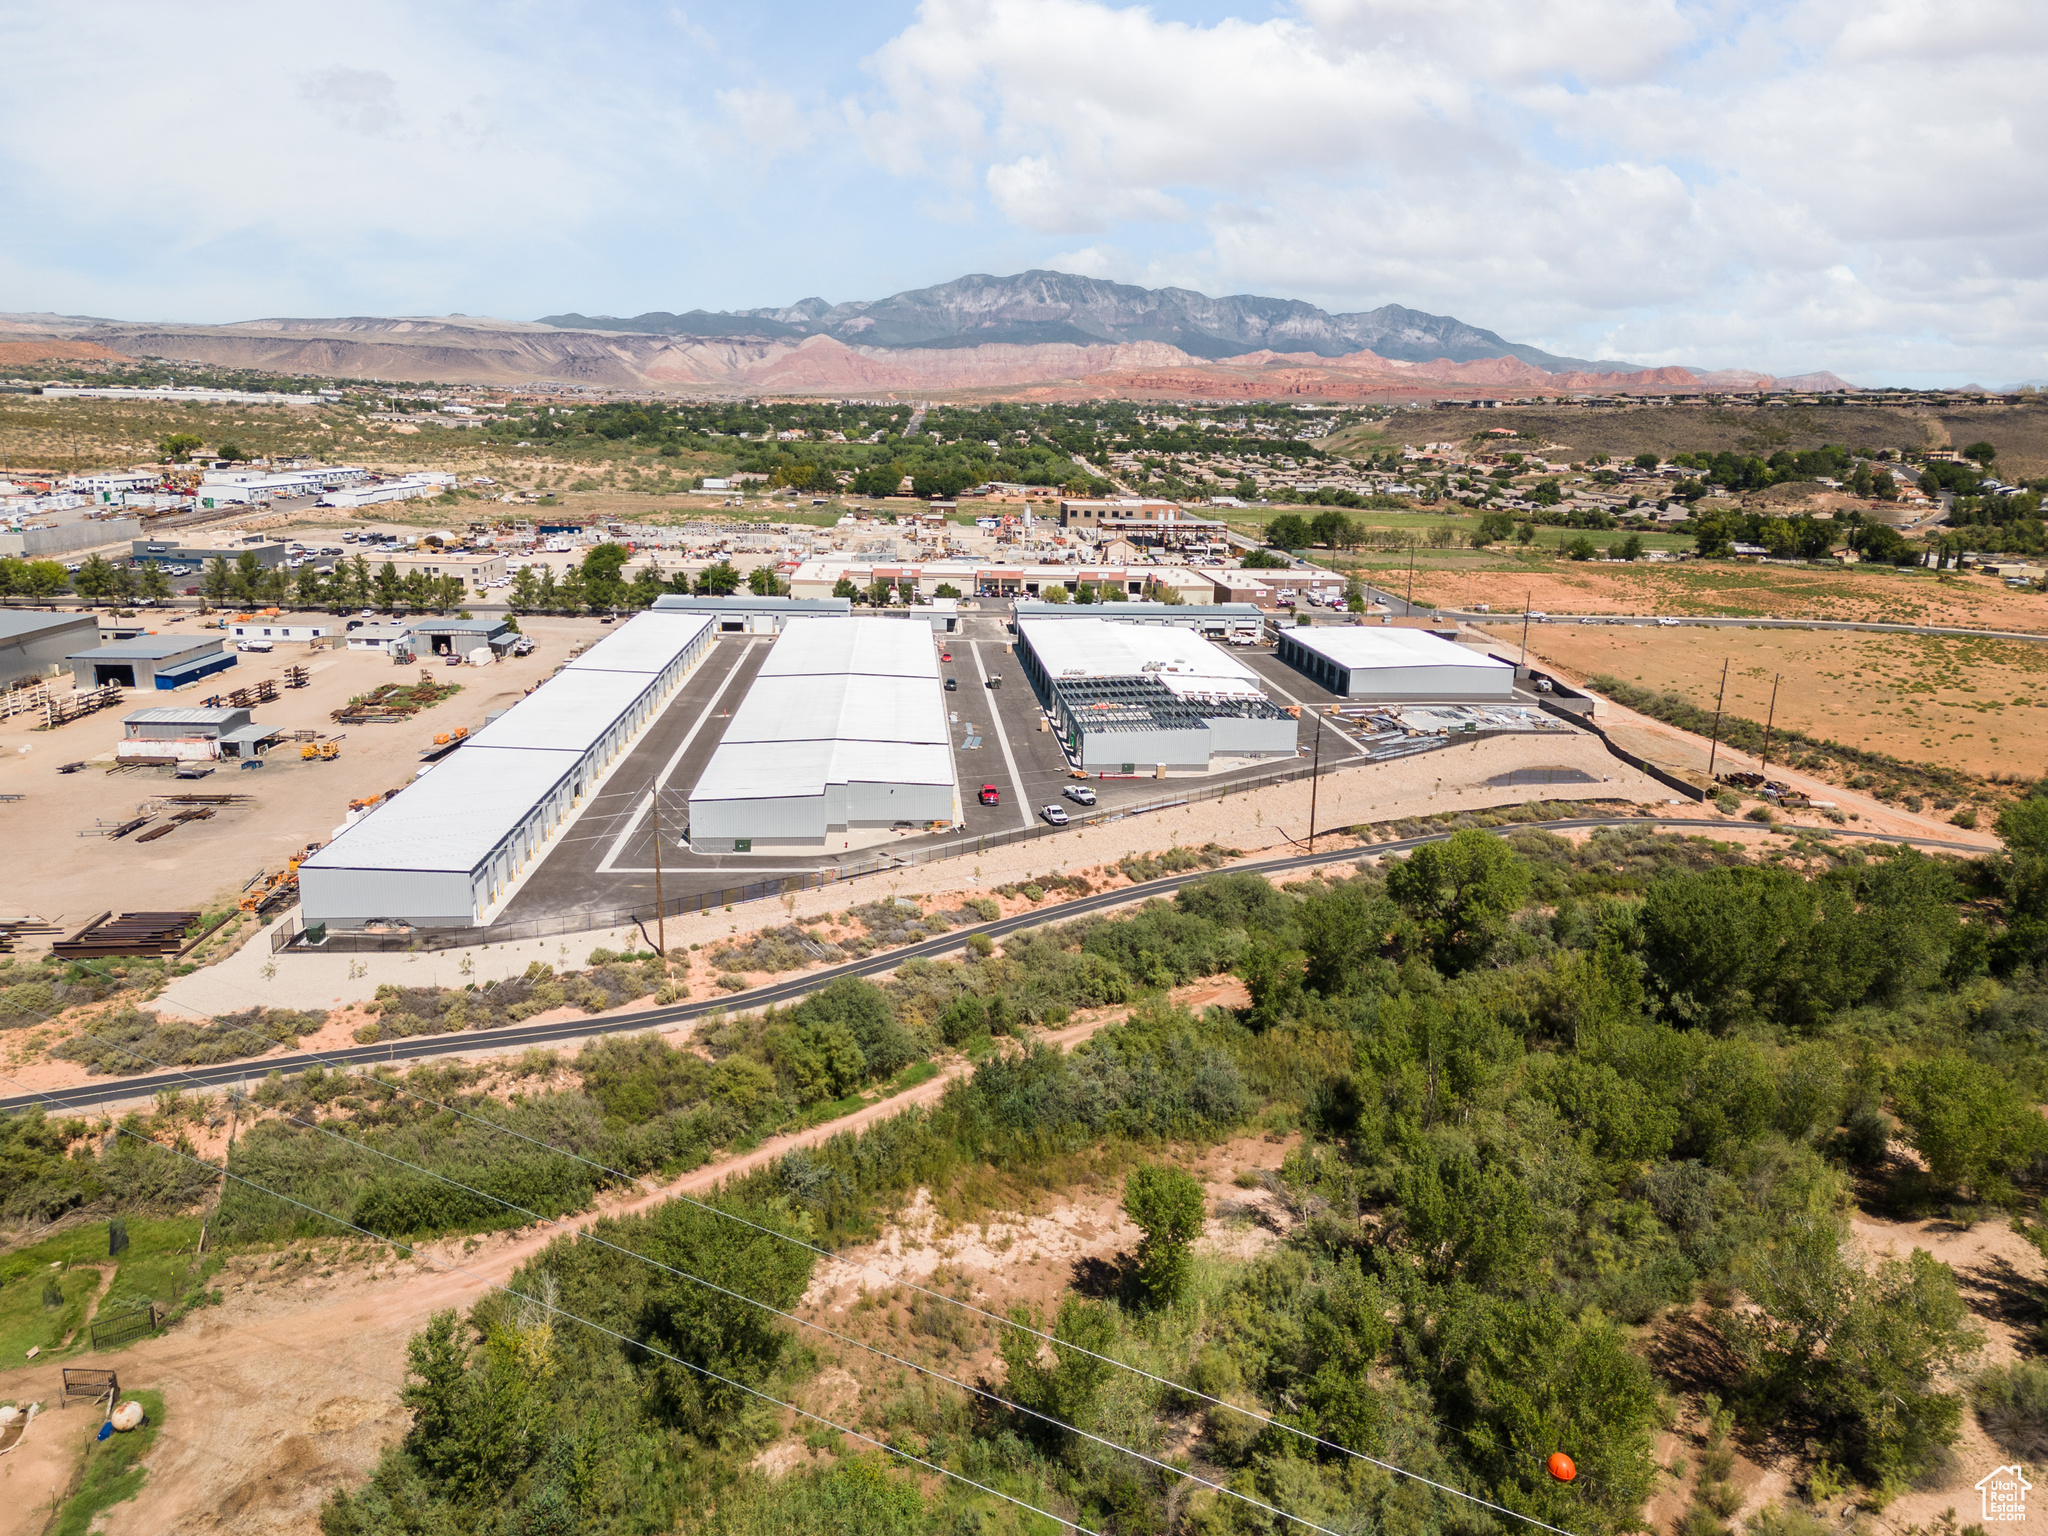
column 1372, row 661
column 745, row 615
column 842, row 736
column 1147, row 699
column 458, row 637
column 1220, row 621
column 1141, row 521
column 269, row 553
column 191, row 735
column 403, row 489
column 474, row 569
column 246, row 627
column 151, row 661
column 34, row 646
column 444, row 852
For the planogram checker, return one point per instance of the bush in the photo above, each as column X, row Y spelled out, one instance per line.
column 1727, row 801
column 2012, row 1405
column 1965, row 818
column 1763, row 814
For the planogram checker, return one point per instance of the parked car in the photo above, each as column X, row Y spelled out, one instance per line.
column 990, row 795
column 1053, row 815
column 255, row 645
column 1080, row 794
column 952, row 685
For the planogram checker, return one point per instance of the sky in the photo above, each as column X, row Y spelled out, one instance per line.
column 1857, row 185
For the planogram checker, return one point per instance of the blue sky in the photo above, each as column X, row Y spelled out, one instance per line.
column 1806, row 184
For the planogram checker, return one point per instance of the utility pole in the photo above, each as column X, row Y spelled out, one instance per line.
column 1410, row 612
column 1715, row 750
column 660, row 916
column 1315, row 779
column 1527, row 599
column 1771, row 717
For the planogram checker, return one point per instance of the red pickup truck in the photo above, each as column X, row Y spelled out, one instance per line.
column 990, row 795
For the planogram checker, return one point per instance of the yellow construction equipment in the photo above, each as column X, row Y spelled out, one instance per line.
column 329, row 751
column 308, row 752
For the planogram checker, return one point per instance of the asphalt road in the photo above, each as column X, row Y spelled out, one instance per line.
column 119, row 1089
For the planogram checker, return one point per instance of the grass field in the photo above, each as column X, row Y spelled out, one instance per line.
column 1716, row 588
column 113, row 1472
column 1962, row 703
column 158, row 1265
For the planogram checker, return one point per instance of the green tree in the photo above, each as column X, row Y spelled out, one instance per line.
column 122, row 587
column 93, row 580
column 524, row 594
column 762, row 582
column 719, row 580
column 311, row 587
column 153, row 583
column 1646, row 461
column 1086, row 593
column 13, row 576
column 1288, row 531
column 1581, row 548
column 178, row 446
column 844, row 587
column 217, row 581
column 243, row 576
column 387, row 586
column 946, row 589
column 572, row 592
column 1972, row 1122
column 601, row 576
column 1459, row 892
column 1263, row 560
column 1070, row 1389
column 1859, row 1352
column 876, row 480
column 1630, row 548
column 274, row 586
column 1333, row 529
column 648, row 587
column 1165, row 1204
column 1054, row 592
column 877, row 593
column 42, row 580
column 233, row 452
column 1982, row 452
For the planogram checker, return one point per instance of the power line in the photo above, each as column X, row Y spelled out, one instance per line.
column 1264, row 1420
column 790, row 1317
column 595, row 1327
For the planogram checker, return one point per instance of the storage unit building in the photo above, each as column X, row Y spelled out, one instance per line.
column 445, row 851
column 1240, row 621
column 1129, row 698
column 151, row 661
column 1395, row 665
column 756, row 615
column 34, row 646
column 844, row 731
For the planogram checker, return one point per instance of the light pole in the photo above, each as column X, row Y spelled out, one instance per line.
column 1315, row 780
column 660, row 913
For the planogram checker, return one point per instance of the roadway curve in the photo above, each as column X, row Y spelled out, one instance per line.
column 120, row 1089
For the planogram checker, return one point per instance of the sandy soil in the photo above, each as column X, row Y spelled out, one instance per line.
column 289, row 1388
column 1762, row 591
column 62, row 871
column 1965, row 703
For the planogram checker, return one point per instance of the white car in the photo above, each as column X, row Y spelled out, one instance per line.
column 1054, row 815
column 1668, row 623
column 1080, row 794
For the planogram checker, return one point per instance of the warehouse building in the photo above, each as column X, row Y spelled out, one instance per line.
column 1221, row 621
column 445, row 852
column 745, row 615
column 1395, row 665
column 34, row 646
column 842, row 738
column 269, row 553
column 1149, row 699
column 191, row 734
column 151, row 661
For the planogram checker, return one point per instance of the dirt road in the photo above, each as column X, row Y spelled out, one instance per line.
column 289, row 1388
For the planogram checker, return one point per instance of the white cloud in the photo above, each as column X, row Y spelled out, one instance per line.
column 1688, row 178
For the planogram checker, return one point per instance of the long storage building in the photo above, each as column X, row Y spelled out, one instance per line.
column 1395, row 665
column 1130, row 698
column 445, row 852
column 843, row 734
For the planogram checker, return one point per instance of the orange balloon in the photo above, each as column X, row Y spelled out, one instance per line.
column 1561, row 1467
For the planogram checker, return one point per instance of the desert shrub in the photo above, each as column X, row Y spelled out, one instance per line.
column 130, row 1041
column 2012, row 1405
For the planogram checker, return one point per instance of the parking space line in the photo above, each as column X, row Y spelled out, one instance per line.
column 1003, row 740
column 646, row 801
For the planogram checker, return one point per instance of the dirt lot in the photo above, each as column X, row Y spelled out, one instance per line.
column 60, row 869
column 1710, row 589
column 1964, row 703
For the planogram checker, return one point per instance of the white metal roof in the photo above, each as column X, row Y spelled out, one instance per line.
column 170, row 714
column 566, row 714
column 879, row 647
column 1364, row 646
column 768, row 770
column 452, row 817
column 644, row 644
column 1179, row 658
column 856, row 708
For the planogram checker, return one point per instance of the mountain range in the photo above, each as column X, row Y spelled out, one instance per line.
column 1036, row 308
column 1037, row 335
